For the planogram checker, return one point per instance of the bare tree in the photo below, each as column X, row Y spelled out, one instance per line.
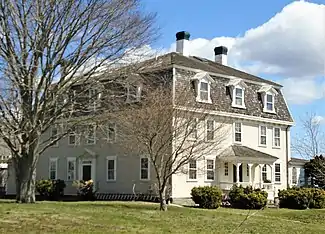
column 65, row 42
column 170, row 136
column 311, row 140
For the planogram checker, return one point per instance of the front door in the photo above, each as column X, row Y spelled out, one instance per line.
column 86, row 172
column 235, row 173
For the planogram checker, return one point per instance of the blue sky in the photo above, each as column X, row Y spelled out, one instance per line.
column 280, row 40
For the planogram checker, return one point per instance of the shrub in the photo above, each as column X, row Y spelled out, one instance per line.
column 50, row 189
column 302, row 198
column 208, row 197
column 247, row 198
column 85, row 190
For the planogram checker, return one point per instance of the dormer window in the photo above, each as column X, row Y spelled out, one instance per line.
column 204, row 91
column 133, row 93
column 202, row 82
column 237, row 88
column 268, row 95
column 239, row 96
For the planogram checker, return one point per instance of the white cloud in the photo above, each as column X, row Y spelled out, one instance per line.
column 291, row 45
column 318, row 120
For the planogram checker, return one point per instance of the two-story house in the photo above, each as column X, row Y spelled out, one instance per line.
column 256, row 152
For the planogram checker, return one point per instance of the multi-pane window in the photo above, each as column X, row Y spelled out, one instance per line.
column 239, row 96
column 264, row 173
column 91, row 134
column 74, row 136
column 294, row 175
column 192, row 171
column 193, row 129
column 269, row 102
column 111, row 168
column 238, row 132
column 210, row 169
column 71, row 166
column 276, row 137
column 226, row 169
column 93, row 99
column 247, row 169
column 210, row 130
column 262, row 135
column 277, row 172
column 54, row 134
column 111, row 132
column 144, row 169
column 53, row 168
column 204, row 91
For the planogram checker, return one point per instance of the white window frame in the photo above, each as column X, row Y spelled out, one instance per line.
column 262, row 135
column 57, row 133
column 193, row 128
column 277, row 173
column 265, row 102
column 294, row 175
column 110, row 158
column 205, row 91
column 90, row 141
column 55, row 160
column 130, row 97
column 93, row 99
column 235, row 131
column 108, row 129
column 226, row 166
column 234, row 96
column 74, row 161
column 76, row 134
column 276, row 137
column 192, row 169
column 264, row 173
column 209, row 169
column 207, row 130
column 148, row 169
column 247, row 170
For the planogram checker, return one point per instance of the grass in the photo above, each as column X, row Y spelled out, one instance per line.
column 136, row 217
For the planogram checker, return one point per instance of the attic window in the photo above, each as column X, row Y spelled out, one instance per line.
column 268, row 96
column 203, row 87
column 133, row 93
column 237, row 91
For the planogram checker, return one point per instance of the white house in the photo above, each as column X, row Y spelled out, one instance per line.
column 256, row 152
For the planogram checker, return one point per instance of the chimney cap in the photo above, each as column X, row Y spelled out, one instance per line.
column 220, row 50
column 182, row 35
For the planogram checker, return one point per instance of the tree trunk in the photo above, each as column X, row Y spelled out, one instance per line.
column 25, row 172
column 162, row 198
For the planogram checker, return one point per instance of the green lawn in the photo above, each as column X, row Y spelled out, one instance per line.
column 136, row 217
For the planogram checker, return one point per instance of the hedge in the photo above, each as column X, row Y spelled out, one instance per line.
column 247, row 198
column 302, row 198
column 208, row 197
column 51, row 189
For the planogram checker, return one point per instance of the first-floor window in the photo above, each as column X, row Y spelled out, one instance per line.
column 144, row 169
column 247, row 169
column 53, row 168
column 71, row 173
column 210, row 169
column 111, row 168
column 192, row 170
column 277, row 172
column 264, row 173
column 226, row 169
column 294, row 175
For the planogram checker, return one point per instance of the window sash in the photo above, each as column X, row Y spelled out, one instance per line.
column 91, row 135
column 276, row 137
column 193, row 130
column 54, row 134
column 247, row 170
column 53, row 169
column 210, row 169
column 111, row 132
column 277, row 172
column 204, row 91
column 269, row 102
column 111, row 168
column 238, row 132
column 71, row 169
column 294, row 175
column 263, row 130
column 264, row 173
column 226, row 169
column 210, row 130
column 193, row 169
column 239, row 96
column 144, row 168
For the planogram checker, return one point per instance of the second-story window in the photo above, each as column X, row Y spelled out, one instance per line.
column 111, row 132
column 263, row 135
column 93, row 99
column 74, row 136
column 193, row 129
column 210, row 130
column 276, row 137
column 238, row 132
column 54, row 134
column 91, row 134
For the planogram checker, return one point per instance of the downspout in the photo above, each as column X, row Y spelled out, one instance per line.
column 287, row 155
